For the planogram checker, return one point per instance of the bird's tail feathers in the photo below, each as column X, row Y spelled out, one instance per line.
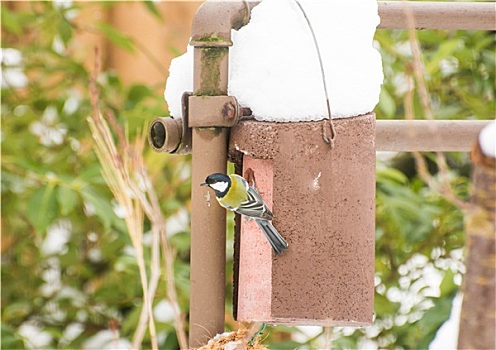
column 277, row 242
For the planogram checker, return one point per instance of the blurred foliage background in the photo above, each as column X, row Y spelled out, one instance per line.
column 69, row 275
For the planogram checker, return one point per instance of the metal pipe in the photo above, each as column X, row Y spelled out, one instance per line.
column 438, row 15
column 211, row 37
column 427, row 135
column 391, row 135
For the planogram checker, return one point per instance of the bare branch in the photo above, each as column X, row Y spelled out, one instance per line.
column 441, row 185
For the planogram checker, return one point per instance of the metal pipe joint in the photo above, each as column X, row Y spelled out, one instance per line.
column 173, row 135
column 213, row 111
column 165, row 134
column 214, row 21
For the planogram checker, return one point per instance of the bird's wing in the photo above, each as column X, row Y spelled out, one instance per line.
column 254, row 206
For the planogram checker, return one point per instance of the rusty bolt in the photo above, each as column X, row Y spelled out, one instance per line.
column 229, row 111
column 246, row 112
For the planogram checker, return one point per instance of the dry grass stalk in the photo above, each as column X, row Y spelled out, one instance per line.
column 442, row 184
column 126, row 175
column 236, row 340
column 328, row 337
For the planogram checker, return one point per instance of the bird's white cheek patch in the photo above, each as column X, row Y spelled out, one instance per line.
column 219, row 186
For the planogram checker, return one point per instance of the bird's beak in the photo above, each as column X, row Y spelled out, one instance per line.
column 204, row 184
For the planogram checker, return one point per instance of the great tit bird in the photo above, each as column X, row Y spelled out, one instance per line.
column 235, row 194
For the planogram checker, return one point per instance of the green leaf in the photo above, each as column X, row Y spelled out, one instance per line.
column 289, row 345
column 391, row 175
column 446, row 49
column 136, row 94
column 130, row 323
column 65, row 31
column 102, row 206
column 115, row 36
column 181, row 241
column 16, row 311
column 9, row 339
column 387, row 104
column 433, row 319
column 344, row 343
column 383, row 306
column 10, row 21
column 67, row 199
column 42, row 208
column 448, row 284
column 170, row 341
column 150, row 5
column 92, row 174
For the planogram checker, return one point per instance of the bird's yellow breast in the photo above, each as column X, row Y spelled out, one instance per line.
column 236, row 194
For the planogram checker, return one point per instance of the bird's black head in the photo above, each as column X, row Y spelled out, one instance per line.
column 220, row 183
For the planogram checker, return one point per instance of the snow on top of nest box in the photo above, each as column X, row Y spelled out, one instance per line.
column 274, row 66
column 487, row 140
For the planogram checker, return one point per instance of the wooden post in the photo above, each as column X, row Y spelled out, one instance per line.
column 477, row 324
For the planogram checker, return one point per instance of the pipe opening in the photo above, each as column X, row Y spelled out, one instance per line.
column 158, row 135
column 165, row 134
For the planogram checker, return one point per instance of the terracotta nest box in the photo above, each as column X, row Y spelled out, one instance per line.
column 323, row 201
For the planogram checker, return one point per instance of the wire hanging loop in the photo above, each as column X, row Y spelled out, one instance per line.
column 327, row 126
column 257, row 333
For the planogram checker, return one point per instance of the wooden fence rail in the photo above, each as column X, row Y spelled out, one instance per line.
column 427, row 135
column 438, row 15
